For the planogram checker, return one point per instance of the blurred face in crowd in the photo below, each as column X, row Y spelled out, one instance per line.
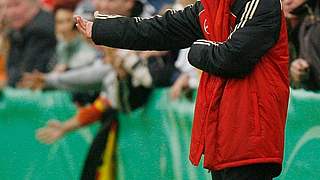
column 64, row 24
column 20, row 12
column 114, row 7
column 290, row 5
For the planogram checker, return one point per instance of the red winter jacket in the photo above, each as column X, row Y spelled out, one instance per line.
column 240, row 121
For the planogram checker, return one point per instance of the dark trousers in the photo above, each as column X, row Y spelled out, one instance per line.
column 249, row 172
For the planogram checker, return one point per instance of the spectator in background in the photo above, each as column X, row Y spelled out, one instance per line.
column 72, row 52
column 188, row 80
column 189, row 77
column 91, row 79
column 31, row 37
column 294, row 16
column 130, row 91
column 103, row 109
column 290, row 5
column 305, row 62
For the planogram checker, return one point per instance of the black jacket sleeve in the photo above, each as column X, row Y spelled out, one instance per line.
column 174, row 30
column 257, row 30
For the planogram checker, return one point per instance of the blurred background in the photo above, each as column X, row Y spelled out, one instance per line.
column 73, row 110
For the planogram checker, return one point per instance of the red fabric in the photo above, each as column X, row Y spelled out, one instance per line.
column 93, row 112
column 47, row 4
column 3, row 73
column 88, row 115
column 240, row 121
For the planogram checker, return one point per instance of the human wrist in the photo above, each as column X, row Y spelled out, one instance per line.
column 70, row 125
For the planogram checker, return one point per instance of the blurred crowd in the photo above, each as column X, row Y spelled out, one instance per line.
column 41, row 49
column 304, row 37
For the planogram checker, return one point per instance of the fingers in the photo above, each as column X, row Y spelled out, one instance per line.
column 50, row 133
column 81, row 29
column 78, row 19
column 84, row 26
column 298, row 69
column 34, row 81
column 45, row 135
column 80, row 24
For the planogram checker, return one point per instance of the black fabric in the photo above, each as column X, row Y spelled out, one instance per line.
column 94, row 157
column 131, row 97
column 163, row 70
column 249, row 172
column 31, row 48
column 84, row 98
column 174, row 30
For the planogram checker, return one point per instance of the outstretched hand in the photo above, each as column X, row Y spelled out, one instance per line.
column 299, row 70
column 51, row 132
column 34, row 81
column 84, row 26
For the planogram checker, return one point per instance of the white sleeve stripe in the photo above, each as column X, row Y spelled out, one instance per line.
column 211, row 42
column 245, row 11
column 242, row 17
column 138, row 19
column 254, row 9
column 251, row 13
column 202, row 43
column 248, row 13
column 97, row 15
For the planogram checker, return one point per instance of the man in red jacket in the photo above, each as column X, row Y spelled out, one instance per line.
column 241, row 47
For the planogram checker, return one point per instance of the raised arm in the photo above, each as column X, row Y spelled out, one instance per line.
column 257, row 30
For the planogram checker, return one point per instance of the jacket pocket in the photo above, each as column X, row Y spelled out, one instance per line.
column 255, row 115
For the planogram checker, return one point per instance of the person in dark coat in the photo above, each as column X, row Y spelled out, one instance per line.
column 31, row 36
